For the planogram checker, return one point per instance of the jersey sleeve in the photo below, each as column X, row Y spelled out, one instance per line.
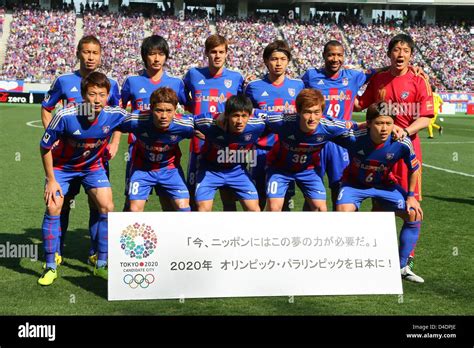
column 114, row 96
column 182, row 93
column 204, row 122
column 306, row 79
column 241, row 81
column 187, row 126
column 368, row 97
column 130, row 122
column 275, row 122
column 125, row 93
column 187, row 88
column 425, row 97
column 409, row 155
column 53, row 96
column 362, row 77
column 54, row 131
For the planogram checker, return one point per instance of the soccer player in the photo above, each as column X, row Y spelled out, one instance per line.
column 84, row 131
column 67, row 88
column 156, row 151
column 373, row 153
column 275, row 92
column 406, row 95
column 339, row 87
column 137, row 89
column 226, row 152
column 296, row 155
column 438, row 102
column 209, row 88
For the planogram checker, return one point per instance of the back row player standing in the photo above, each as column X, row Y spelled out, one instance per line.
column 66, row 88
column 137, row 90
column 208, row 89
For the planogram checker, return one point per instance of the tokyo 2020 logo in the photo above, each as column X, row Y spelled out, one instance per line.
column 138, row 241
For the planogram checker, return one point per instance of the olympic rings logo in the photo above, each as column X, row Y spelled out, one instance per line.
column 139, row 280
column 138, row 241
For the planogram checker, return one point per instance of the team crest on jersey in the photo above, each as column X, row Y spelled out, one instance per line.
column 320, row 138
column 173, row 137
column 228, row 83
column 105, row 129
column 291, row 92
column 389, row 155
column 405, row 95
column 247, row 137
column 345, row 81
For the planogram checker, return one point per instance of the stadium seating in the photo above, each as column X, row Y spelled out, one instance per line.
column 41, row 45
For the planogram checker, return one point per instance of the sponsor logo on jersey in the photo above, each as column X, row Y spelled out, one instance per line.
column 46, row 137
column 291, row 92
column 47, row 96
column 201, row 82
column 143, row 90
column 74, row 89
column 264, row 94
column 77, row 132
column 292, row 137
column 321, row 82
column 228, row 83
column 361, row 152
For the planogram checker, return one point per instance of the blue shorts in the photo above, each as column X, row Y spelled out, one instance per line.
column 170, row 182
column 259, row 174
column 236, row 179
column 391, row 199
column 75, row 185
column 73, row 180
column 334, row 159
column 308, row 181
column 128, row 168
column 193, row 165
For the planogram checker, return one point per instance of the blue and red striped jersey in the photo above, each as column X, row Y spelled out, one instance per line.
column 208, row 93
column 156, row 148
column 371, row 164
column 270, row 97
column 296, row 150
column 222, row 149
column 67, row 88
column 83, row 142
column 137, row 89
column 339, row 91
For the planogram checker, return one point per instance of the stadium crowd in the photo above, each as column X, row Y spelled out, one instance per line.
column 40, row 45
column 246, row 48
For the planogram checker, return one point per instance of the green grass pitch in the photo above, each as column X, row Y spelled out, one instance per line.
column 445, row 252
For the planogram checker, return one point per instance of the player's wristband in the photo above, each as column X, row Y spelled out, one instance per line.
column 411, row 194
column 406, row 132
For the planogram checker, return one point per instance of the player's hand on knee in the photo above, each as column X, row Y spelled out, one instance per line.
column 50, row 192
column 413, row 207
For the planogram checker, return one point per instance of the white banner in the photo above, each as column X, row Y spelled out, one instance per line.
column 204, row 255
column 448, row 109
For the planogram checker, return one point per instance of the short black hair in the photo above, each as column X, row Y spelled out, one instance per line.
column 238, row 103
column 88, row 39
column 277, row 46
column 95, row 78
column 404, row 38
column 379, row 109
column 330, row 44
column 152, row 43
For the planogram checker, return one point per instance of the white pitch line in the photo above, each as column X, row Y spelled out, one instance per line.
column 448, row 142
column 31, row 124
column 448, row 170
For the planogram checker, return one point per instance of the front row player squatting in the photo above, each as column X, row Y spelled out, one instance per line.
column 373, row 153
